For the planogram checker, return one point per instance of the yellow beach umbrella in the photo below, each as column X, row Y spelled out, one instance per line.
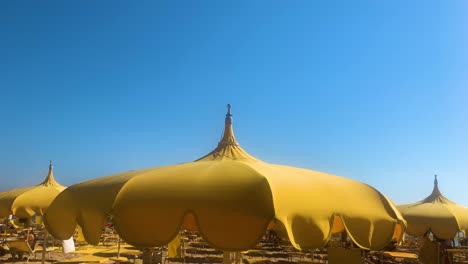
column 437, row 214
column 231, row 198
column 28, row 201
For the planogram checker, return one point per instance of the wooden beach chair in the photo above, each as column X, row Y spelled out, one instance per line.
column 20, row 247
column 399, row 257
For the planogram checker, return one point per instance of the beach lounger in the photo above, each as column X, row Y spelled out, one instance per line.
column 401, row 257
column 20, row 247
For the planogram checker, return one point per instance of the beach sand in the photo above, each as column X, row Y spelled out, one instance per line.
column 196, row 252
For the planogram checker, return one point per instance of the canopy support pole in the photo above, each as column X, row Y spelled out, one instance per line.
column 238, row 257
column 147, row 256
column 44, row 246
column 118, row 246
column 232, row 257
column 226, row 257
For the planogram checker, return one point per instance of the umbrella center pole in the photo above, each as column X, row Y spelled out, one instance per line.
column 152, row 256
column 44, row 246
column 118, row 247
column 438, row 253
column 147, row 256
column 238, row 257
column 232, row 257
column 226, row 257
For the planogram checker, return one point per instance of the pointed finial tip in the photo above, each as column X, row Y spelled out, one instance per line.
column 50, row 162
column 435, row 178
column 228, row 119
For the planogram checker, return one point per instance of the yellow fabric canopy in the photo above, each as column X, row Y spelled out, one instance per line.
column 231, row 198
column 437, row 214
column 28, row 201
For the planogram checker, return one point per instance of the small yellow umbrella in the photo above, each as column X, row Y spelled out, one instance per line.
column 437, row 214
column 28, row 201
column 231, row 198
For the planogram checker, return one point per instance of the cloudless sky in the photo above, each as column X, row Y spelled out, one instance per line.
column 371, row 90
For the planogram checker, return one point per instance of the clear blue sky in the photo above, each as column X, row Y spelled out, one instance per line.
column 371, row 90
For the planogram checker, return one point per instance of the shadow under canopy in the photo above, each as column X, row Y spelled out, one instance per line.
column 231, row 198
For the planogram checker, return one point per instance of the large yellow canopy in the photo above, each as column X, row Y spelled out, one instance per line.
column 28, row 201
column 231, row 198
column 437, row 214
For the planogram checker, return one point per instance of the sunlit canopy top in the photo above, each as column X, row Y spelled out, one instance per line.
column 436, row 213
column 231, row 198
column 228, row 148
column 25, row 202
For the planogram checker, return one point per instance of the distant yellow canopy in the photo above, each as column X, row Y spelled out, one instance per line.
column 231, row 198
column 437, row 214
column 28, row 201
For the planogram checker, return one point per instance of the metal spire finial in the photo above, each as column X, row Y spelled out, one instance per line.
column 435, row 179
column 228, row 119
